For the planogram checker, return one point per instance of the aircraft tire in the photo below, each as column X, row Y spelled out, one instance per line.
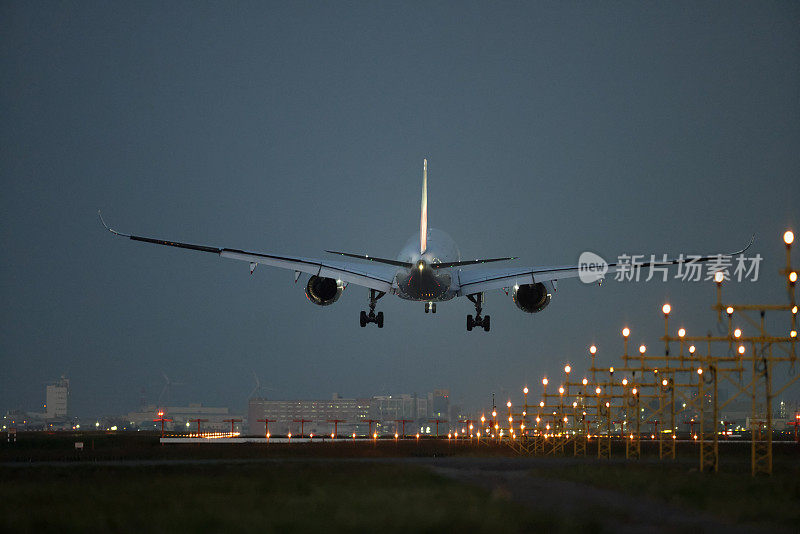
column 363, row 319
column 379, row 319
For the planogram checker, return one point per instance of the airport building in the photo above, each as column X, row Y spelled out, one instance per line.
column 382, row 414
column 182, row 418
column 315, row 416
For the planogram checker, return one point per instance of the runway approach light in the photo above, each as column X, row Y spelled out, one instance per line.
column 741, row 349
column 585, row 381
column 699, row 370
column 793, row 277
column 729, row 310
column 737, row 333
column 525, row 390
column 626, row 332
column 642, row 349
column 665, row 309
column 788, row 237
column 593, row 349
column 681, row 332
column 719, row 277
column 544, row 381
column 567, row 368
column 692, row 349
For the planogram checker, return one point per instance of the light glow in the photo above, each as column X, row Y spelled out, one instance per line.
column 665, row 309
column 681, row 332
column 788, row 237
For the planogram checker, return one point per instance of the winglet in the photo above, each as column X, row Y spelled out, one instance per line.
column 750, row 244
column 100, row 215
column 423, row 222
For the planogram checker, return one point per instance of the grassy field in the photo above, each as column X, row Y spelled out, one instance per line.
column 352, row 486
column 731, row 493
column 274, row 497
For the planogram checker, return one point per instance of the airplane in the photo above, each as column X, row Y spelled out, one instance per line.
column 428, row 269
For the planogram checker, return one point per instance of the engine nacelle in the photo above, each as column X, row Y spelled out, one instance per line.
column 323, row 291
column 533, row 298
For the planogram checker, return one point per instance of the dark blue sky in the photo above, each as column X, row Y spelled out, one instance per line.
column 550, row 129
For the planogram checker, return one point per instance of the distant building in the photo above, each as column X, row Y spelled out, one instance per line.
column 182, row 418
column 57, row 399
column 386, row 411
column 285, row 415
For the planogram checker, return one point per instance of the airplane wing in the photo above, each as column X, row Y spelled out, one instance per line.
column 373, row 276
column 480, row 280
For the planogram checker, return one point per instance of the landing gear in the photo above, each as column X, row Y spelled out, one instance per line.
column 372, row 317
column 430, row 307
column 479, row 321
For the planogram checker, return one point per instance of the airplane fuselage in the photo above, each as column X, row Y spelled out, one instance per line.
column 421, row 282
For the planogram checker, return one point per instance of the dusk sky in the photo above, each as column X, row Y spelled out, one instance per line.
column 550, row 128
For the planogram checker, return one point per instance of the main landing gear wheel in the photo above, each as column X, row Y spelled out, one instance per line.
column 478, row 321
column 365, row 318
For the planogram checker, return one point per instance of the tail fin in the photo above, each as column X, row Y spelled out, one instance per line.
column 423, row 221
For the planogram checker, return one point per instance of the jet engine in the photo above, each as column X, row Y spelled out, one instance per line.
column 533, row 298
column 323, row 291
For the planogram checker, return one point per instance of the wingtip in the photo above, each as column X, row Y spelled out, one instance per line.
column 107, row 227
